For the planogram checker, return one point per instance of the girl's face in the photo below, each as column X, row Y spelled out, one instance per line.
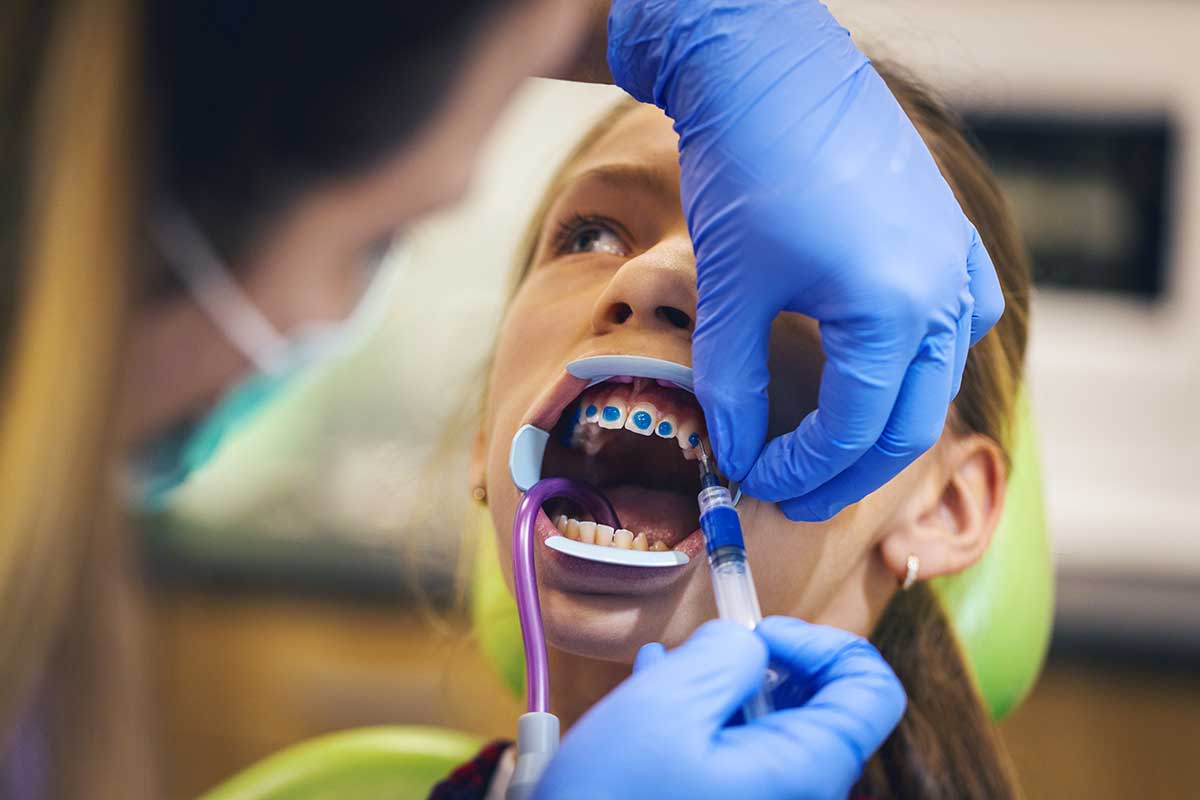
column 613, row 272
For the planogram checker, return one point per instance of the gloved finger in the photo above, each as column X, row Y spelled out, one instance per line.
column 860, row 383
column 962, row 344
column 708, row 677
column 649, row 655
column 857, row 703
column 729, row 360
column 985, row 288
column 914, row 426
column 847, row 672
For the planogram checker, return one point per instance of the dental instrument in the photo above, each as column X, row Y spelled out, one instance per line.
column 537, row 729
column 733, row 585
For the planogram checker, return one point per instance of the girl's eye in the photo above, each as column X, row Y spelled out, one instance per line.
column 595, row 240
column 587, row 235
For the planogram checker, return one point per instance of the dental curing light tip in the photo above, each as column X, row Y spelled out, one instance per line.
column 708, row 475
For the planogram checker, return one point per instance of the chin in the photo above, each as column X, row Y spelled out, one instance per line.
column 611, row 627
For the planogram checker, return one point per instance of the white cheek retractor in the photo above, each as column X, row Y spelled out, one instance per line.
column 617, row 555
column 529, row 448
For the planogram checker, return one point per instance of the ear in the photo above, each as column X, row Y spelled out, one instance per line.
column 949, row 522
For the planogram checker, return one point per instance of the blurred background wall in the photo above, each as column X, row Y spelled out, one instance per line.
column 305, row 582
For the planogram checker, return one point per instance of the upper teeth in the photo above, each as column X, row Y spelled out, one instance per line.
column 613, row 407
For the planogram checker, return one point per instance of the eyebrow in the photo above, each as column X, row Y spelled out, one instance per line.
column 628, row 176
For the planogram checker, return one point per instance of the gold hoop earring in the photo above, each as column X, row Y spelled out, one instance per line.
column 479, row 493
column 912, row 566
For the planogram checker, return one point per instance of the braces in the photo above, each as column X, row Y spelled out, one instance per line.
column 529, row 448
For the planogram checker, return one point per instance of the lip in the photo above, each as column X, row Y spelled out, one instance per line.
column 550, row 404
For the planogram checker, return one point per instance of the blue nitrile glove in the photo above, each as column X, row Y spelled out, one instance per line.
column 807, row 189
column 662, row 733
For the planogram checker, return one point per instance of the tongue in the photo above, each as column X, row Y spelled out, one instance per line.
column 664, row 516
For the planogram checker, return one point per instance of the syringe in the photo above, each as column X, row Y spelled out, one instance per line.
column 733, row 585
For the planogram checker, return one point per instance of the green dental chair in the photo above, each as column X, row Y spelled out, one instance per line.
column 1001, row 609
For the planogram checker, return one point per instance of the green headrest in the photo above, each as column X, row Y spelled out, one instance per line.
column 365, row 764
column 1001, row 608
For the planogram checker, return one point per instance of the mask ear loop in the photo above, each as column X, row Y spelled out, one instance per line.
column 189, row 255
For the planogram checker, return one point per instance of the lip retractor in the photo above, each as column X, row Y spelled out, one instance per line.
column 529, row 448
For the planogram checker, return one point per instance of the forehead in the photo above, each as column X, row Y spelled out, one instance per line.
column 642, row 136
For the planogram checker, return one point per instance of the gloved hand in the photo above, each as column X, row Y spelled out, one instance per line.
column 662, row 733
column 807, row 189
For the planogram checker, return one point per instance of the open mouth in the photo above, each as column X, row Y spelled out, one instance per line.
column 634, row 437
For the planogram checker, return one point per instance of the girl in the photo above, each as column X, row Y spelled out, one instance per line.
column 608, row 268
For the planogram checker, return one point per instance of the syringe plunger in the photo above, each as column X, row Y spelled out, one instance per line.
column 733, row 585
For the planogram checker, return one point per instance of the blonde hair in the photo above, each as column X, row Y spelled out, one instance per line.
column 71, row 260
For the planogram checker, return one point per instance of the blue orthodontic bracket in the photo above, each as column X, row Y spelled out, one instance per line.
column 529, row 444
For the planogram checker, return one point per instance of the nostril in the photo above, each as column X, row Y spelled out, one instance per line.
column 674, row 316
column 620, row 312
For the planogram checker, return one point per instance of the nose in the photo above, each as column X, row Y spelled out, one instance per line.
column 655, row 290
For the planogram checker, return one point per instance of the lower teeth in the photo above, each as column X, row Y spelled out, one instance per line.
column 604, row 535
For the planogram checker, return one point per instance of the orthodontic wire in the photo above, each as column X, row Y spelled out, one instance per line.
column 529, row 607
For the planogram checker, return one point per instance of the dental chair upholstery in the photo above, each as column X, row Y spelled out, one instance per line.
column 386, row 763
column 1001, row 609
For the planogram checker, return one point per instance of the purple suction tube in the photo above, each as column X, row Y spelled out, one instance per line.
column 529, row 608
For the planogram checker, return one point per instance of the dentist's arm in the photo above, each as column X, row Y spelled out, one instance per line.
column 662, row 733
column 807, row 189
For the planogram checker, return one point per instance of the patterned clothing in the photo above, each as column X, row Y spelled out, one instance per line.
column 472, row 779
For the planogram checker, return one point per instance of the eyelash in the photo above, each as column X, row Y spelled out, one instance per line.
column 575, row 224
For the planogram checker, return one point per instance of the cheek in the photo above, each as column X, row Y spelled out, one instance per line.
column 502, row 504
column 502, row 495
column 536, row 340
column 544, row 325
column 325, row 291
column 800, row 567
column 795, row 361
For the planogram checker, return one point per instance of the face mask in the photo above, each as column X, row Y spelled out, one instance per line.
column 164, row 464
